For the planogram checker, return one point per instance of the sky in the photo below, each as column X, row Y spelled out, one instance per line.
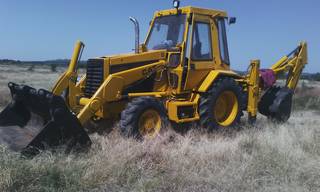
column 45, row 30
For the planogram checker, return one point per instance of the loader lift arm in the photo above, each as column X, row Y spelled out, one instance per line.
column 111, row 89
column 69, row 77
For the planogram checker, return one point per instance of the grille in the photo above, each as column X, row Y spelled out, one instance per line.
column 94, row 76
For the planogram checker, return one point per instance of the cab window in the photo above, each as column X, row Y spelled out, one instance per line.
column 167, row 32
column 223, row 43
column 201, row 42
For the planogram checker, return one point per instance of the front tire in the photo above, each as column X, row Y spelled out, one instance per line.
column 143, row 118
column 222, row 105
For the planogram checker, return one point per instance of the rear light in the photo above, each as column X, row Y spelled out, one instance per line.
column 174, row 60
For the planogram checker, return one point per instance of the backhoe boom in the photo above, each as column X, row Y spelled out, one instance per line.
column 292, row 63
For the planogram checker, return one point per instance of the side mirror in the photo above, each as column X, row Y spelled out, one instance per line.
column 232, row 20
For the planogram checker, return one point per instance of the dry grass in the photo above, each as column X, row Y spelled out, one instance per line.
column 307, row 96
column 267, row 157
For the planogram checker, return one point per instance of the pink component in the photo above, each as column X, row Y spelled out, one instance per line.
column 268, row 78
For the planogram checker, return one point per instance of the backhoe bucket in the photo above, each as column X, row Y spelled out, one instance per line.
column 61, row 127
column 276, row 103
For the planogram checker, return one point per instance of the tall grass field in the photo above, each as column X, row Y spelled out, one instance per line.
column 264, row 157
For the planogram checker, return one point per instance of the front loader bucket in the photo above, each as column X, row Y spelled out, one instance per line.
column 61, row 127
column 276, row 103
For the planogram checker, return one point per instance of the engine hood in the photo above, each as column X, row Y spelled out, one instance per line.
column 124, row 62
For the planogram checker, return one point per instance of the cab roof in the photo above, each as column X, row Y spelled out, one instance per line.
column 195, row 10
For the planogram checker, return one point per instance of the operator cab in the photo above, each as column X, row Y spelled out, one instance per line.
column 199, row 37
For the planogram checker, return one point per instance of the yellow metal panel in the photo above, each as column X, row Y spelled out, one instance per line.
column 134, row 58
column 212, row 76
column 172, row 107
column 195, row 77
column 138, row 73
column 84, row 101
column 190, row 9
column 112, row 88
column 154, row 94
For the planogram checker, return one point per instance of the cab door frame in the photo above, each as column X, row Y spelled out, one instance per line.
column 198, row 69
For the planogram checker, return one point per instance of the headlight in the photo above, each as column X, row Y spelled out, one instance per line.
column 174, row 60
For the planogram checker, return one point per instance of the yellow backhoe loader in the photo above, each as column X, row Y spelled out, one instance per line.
column 181, row 73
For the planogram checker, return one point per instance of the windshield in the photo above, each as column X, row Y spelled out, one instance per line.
column 166, row 32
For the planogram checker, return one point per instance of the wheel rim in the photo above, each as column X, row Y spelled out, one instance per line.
column 226, row 108
column 149, row 123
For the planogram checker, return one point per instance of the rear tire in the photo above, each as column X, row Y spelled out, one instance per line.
column 144, row 117
column 222, row 105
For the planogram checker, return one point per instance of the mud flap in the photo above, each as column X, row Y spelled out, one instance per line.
column 61, row 127
column 276, row 104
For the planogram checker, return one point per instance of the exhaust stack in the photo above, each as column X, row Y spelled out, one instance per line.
column 137, row 33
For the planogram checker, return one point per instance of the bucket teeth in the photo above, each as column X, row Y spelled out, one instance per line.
column 61, row 127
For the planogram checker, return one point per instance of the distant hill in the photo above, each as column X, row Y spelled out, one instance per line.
column 65, row 62
column 311, row 76
column 57, row 62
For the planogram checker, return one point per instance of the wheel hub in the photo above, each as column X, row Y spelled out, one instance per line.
column 226, row 108
column 149, row 123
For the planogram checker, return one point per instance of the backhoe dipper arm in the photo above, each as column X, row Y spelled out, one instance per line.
column 69, row 77
column 292, row 63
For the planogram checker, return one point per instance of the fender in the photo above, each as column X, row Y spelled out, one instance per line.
column 213, row 75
